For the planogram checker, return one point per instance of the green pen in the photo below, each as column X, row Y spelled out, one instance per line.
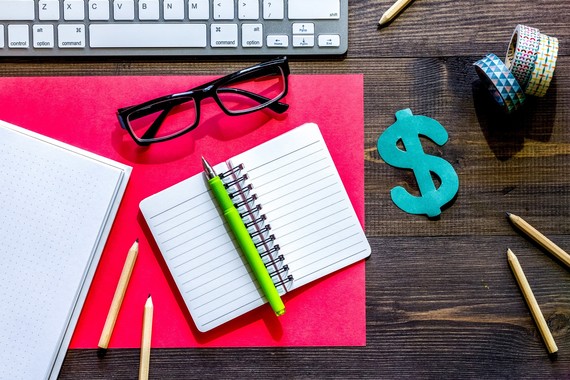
column 244, row 239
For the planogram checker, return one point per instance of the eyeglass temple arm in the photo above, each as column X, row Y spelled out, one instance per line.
column 242, row 75
column 155, row 126
column 275, row 107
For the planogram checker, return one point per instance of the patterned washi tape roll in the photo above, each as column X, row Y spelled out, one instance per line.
column 543, row 72
column 522, row 53
column 501, row 82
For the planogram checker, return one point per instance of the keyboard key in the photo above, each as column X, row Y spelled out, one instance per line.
column 223, row 35
column 43, row 36
column 173, row 9
column 314, row 9
column 273, row 9
column 303, row 41
column 329, row 40
column 147, row 35
column 48, row 10
column 1, row 36
column 71, row 36
column 198, row 10
column 18, row 36
column 124, row 10
column 148, row 10
column 248, row 9
column 278, row 40
column 303, row 28
column 17, row 10
column 252, row 35
column 98, row 10
column 224, row 9
column 73, row 10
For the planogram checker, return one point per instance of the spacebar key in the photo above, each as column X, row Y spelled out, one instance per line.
column 147, row 35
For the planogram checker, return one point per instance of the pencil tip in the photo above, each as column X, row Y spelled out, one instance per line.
column 136, row 241
column 508, row 214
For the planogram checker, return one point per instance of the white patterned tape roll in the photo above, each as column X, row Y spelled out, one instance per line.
column 544, row 66
column 522, row 53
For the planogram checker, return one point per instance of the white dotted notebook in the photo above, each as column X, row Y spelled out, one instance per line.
column 57, row 205
column 297, row 211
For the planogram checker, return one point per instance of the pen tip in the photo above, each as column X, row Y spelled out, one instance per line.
column 208, row 169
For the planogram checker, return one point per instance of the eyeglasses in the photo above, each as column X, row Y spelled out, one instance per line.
column 248, row 90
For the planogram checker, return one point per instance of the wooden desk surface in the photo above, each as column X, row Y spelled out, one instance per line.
column 441, row 299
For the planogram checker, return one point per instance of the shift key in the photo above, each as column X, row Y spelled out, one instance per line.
column 17, row 10
column 314, row 9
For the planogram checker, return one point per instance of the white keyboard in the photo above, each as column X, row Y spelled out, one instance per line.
column 173, row 27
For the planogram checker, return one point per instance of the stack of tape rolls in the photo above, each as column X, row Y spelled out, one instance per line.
column 528, row 68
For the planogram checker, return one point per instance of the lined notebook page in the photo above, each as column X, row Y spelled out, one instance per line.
column 305, row 203
column 57, row 204
column 211, row 274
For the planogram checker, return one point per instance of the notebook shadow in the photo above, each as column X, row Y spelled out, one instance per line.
column 216, row 125
column 264, row 313
column 506, row 133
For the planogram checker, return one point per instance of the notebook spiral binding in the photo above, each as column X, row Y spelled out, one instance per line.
column 241, row 192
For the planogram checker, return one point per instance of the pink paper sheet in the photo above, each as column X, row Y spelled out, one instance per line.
column 81, row 111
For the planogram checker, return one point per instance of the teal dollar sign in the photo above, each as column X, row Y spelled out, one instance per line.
column 407, row 130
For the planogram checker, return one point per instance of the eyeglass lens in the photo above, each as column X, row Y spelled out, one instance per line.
column 238, row 96
column 168, row 119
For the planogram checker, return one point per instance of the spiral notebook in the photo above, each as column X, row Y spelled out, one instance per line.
column 290, row 196
column 58, row 203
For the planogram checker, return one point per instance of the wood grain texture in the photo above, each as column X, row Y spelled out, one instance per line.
column 441, row 300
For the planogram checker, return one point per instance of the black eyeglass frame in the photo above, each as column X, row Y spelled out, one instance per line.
column 207, row 90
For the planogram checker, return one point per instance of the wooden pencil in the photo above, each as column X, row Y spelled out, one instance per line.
column 146, row 339
column 535, row 235
column 393, row 11
column 119, row 295
column 531, row 302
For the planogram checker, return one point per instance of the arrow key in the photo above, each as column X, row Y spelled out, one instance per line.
column 329, row 40
column 303, row 28
column 303, row 41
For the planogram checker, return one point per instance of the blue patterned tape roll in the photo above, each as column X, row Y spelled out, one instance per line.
column 501, row 82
